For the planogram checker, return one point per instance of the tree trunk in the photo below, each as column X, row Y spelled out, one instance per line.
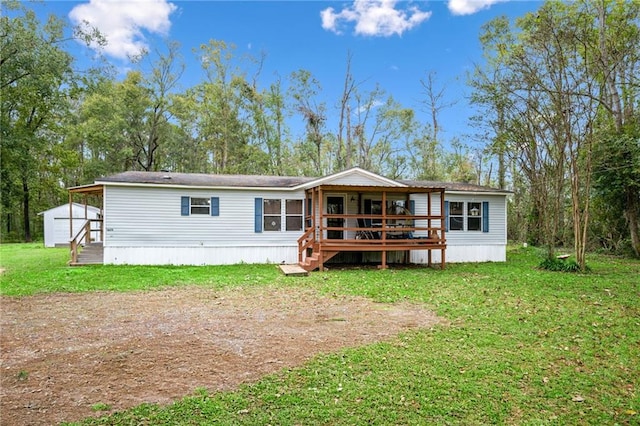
column 25, row 210
column 631, row 214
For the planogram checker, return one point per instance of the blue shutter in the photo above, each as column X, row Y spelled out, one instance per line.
column 215, row 206
column 412, row 206
column 446, row 216
column 485, row 216
column 184, row 206
column 258, row 215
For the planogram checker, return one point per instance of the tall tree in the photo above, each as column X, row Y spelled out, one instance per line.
column 304, row 90
column 345, row 149
column 553, row 95
column 617, row 68
column 150, row 127
column 36, row 79
column 223, row 124
column 489, row 92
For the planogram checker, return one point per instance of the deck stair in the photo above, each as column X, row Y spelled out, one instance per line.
column 91, row 254
column 312, row 262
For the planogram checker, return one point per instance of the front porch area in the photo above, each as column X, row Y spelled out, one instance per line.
column 86, row 244
column 365, row 219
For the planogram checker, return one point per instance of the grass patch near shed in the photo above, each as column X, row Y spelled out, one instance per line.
column 524, row 345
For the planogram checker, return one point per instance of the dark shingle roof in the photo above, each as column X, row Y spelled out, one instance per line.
column 201, row 179
column 454, row 186
column 260, row 181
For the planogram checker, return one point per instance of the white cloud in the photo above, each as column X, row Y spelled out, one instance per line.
column 371, row 105
column 123, row 23
column 469, row 7
column 374, row 18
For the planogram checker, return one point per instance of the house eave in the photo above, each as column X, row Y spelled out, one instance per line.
column 378, row 188
column 323, row 181
column 477, row 193
column 208, row 187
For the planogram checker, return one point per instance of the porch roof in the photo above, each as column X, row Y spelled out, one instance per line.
column 93, row 189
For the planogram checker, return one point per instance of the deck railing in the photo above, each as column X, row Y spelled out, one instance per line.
column 83, row 236
column 304, row 242
column 384, row 227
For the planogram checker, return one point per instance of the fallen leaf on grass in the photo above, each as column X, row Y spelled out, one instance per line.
column 577, row 398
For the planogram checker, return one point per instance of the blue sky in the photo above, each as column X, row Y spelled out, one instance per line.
column 394, row 44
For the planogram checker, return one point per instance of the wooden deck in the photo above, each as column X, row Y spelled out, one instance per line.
column 325, row 250
column 363, row 230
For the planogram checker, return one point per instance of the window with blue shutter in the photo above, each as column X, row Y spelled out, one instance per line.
column 215, row 206
column 184, row 206
column 199, row 206
column 258, row 215
column 485, row 216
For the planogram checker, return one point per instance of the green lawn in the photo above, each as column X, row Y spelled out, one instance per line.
column 524, row 346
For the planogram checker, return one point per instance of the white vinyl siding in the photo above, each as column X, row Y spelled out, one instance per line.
column 497, row 234
column 161, row 222
column 465, row 246
column 497, row 218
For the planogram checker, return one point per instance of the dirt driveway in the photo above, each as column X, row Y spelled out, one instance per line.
column 63, row 353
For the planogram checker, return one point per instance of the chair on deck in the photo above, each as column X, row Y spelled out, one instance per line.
column 364, row 232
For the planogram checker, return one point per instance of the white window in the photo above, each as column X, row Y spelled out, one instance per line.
column 272, row 215
column 200, row 205
column 456, row 216
column 465, row 216
column 474, row 217
column 294, row 215
column 276, row 212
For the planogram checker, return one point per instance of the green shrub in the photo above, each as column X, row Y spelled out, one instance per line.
column 559, row 265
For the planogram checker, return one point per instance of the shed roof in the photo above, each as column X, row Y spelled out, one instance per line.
column 65, row 208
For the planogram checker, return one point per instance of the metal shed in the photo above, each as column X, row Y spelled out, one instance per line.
column 56, row 223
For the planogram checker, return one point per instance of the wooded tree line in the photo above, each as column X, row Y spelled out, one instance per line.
column 557, row 92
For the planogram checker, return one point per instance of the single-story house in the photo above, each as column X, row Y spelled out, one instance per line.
column 161, row 218
column 57, row 223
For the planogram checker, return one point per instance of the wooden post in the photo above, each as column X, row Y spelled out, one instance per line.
column 429, row 223
column 321, row 231
column 442, row 228
column 384, row 230
column 442, row 218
